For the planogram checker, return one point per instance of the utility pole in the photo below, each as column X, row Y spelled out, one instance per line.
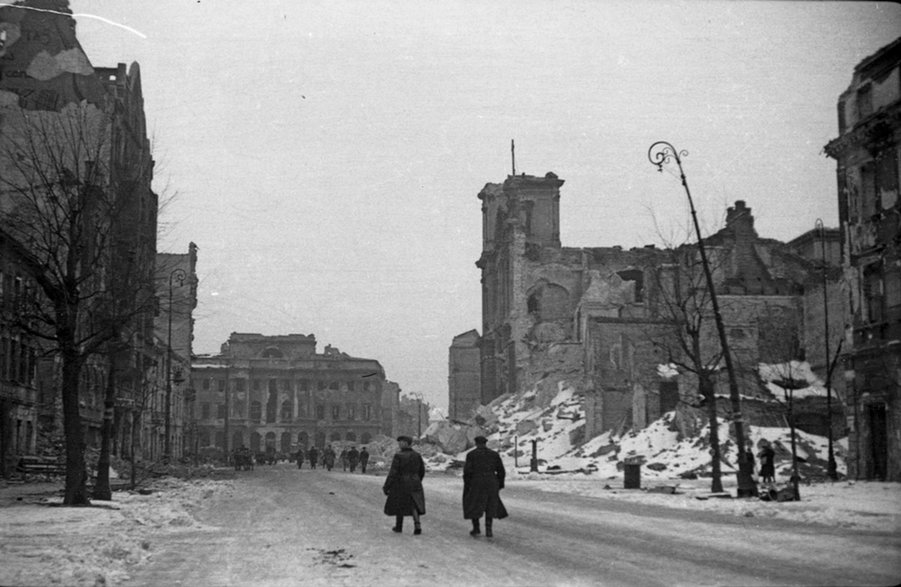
column 830, row 466
column 180, row 275
column 660, row 153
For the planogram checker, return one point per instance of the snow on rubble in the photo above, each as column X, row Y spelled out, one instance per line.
column 674, row 468
column 44, row 544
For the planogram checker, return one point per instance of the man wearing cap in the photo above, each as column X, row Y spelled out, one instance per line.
column 483, row 478
column 403, row 486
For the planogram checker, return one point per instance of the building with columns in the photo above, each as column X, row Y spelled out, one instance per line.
column 276, row 393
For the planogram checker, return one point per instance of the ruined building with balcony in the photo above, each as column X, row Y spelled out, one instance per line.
column 277, row 394
column 867, row 157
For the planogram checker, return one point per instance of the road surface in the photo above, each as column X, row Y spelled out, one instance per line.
column 283, row 526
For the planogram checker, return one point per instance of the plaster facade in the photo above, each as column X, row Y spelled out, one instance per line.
column 464, row 376
column 868, row 161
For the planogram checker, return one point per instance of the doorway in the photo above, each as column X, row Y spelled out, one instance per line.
column 878, row 441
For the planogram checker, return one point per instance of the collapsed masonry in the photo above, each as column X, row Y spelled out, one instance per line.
column 600, row 320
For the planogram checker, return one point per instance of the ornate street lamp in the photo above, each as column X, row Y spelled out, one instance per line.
column 831, row 468
column 179, row 275
column 659, row 154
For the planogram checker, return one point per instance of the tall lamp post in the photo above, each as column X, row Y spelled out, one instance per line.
column 659, row 154
column 179, row 275
column 830, row 467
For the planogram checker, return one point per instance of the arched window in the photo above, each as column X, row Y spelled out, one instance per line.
column 285, row 442
column 366, row 438
column 637, row 276
column 554, row 303
column 287, row 411
column 335, row 437
column 351, row 436
column 273, row 353
column 303, row 440
column 270, row 441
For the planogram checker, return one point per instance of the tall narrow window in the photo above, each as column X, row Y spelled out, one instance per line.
column 873, row 292
column 864, row 101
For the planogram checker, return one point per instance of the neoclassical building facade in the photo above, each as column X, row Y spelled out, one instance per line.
column 278, row 393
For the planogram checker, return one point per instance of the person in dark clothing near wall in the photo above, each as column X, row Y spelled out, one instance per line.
column 364, row 459
column 483, row 478
column 403, row 486
column 313, row 455
column 767, row 458
column 352, row 457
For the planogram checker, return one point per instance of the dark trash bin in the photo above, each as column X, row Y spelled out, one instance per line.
column 632, row 475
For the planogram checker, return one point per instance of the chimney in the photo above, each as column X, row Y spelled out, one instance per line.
column 739, row 217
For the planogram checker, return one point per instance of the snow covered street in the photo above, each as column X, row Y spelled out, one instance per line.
column 280, row 526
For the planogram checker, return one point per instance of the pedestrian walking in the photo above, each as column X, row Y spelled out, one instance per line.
column 343, row 458
column 767, row 457
column 298, row 456
column 352, row 458
column 403, row 486
column 364, row 459
column 483, row 478
column 313, row 455
column 328, row 457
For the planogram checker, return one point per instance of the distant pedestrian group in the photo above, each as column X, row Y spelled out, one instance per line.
column 326, row 458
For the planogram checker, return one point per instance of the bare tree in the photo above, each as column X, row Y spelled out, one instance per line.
column 684, row 304
column 73, row 209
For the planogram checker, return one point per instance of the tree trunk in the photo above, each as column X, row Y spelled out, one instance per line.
column 135, row 436
column 76, row 474
column 102, row 489
column 4, row 435
column 716, row 482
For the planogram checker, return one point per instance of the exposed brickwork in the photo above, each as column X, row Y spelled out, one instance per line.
column 868, row 156
column 603, row 305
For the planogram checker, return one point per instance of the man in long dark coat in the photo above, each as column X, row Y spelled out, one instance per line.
column 328, row 457
column 364, row 459
column 403, row 486
column 352, row 457
column 313, row 455
column 483, row 478
column 298, row 456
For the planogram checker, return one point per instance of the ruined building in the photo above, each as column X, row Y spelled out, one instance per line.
column 596, row 318
column 167, row 394
column 464, row 379
column 276, row 393
column 867, row 156
column 81, row 130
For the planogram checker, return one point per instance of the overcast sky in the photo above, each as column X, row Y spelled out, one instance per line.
column 325, row 156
